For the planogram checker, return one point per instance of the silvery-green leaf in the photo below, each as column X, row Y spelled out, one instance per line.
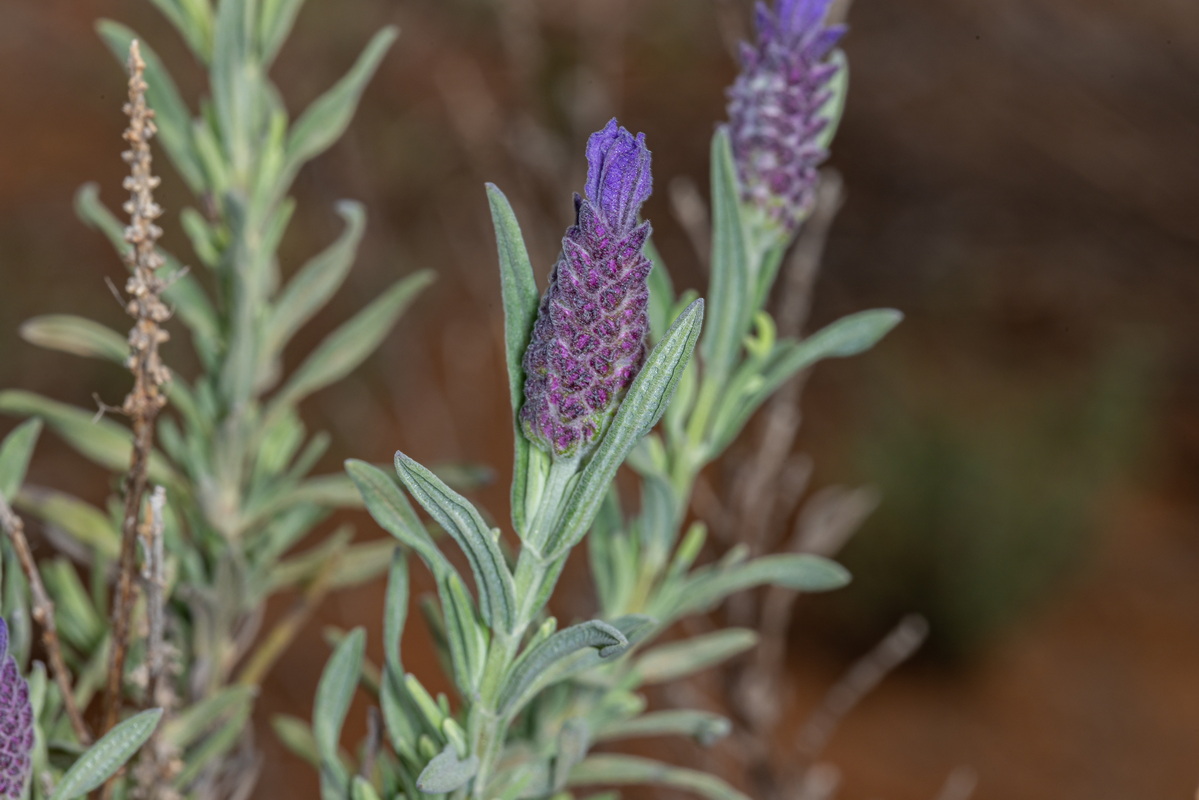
column 235, row 80
column 687, row 551
column 343, row 350
column 76, row 335
column 574, row 740
column 610, row 769
column 215, row 746
column 107, row 755
column 361, row 790
column 447, row 772
column 78, row 622
column 193, row 20
column 356, row 563
column 196, row 720
column 466, row 635
column 329, row 491
column 335, row 691
column 171, row 114
column 661, row 293
column 462, row 522
column 15, row 452
column 390, row 508
column 704, row 726
column 323, row 122
column 732, row 276
column 277, row 18
column 640, row 410
column 835, row 106
column 518, row 288
column 297, row 737
column 708, row 586
column 674, row 660
column 203, row 236
column 101, row 440
column 317, row 280
column 847, row 336
column 605, row 639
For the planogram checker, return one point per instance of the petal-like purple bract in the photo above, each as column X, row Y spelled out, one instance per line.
column 16, row 724
column 588, row 342
column 775, row 108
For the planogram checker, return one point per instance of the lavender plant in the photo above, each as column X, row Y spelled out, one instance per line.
column 229, row 447
column 533, row 699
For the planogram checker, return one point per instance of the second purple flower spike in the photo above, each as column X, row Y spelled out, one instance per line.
column 775, row 108
column 588, row 342
column 16, row 724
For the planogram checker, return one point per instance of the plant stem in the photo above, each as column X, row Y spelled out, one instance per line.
column 43, row 613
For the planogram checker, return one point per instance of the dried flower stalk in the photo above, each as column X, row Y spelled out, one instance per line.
column 145, row 305
column 43, row 614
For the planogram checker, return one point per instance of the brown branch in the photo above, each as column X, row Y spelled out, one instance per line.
column 43, row 614
column 145, row 305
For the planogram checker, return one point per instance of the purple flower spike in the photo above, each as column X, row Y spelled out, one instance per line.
column 16, row 724
column 589, row 339
column 774, row 108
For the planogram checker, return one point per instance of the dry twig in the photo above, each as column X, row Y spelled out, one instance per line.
column 43, row 614
column 145, row 305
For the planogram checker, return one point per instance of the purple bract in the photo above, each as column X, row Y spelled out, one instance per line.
column 775, row 106
column 16, row 724
column 589, row 339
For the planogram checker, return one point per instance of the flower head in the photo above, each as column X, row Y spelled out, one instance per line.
column 776, row 104
column 588, row 342
column 16, row 723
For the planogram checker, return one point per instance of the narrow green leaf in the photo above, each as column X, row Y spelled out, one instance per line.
column 170, row 112
column 195, row 721
column 77, row 336
column 846, row 337
column 390, row 508
column 106, row 756
column 104, row 442
column 317, row 280
column 193, row 19
column 632, row 770
column 802, row 572
column 278, row 16
column 731, row 281
column 641, row 409
column 675, row 660
column 462, row 522
column 343, row 350
column 297, row 737
column 214, row 746
column 605, row 639
column 335, row 691
column 466, row 636
column 703, row 726
column 447, row 772
column 323, row 122
column 518, row 288
column 234, row 81
column 361, row 790
column 15, row 452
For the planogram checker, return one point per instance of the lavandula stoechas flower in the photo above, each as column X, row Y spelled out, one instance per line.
column 775, row 105
column 16, row 724
column 589, row 339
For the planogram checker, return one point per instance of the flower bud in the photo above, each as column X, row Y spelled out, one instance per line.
column 775, row 108
column 588, row 342
column 16, row 724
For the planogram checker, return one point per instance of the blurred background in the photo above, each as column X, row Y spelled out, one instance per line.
column 1022, row 180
